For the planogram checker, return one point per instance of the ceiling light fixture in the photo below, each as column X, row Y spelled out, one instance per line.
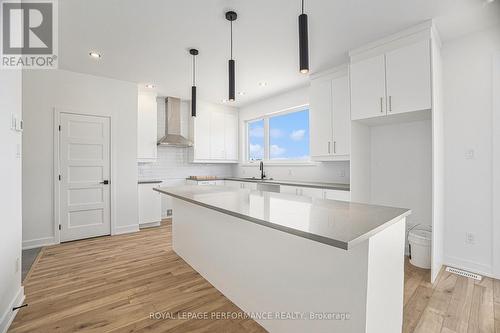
column 95, row 55
column 303, row 43
column 263, row 84
column 194, row 53
column 231, row 16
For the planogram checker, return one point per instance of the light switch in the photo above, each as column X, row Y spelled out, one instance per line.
column 469, row 154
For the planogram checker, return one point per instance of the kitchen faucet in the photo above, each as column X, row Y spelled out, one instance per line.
column 261, row 167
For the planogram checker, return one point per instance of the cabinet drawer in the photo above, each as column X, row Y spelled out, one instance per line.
column 338, row 195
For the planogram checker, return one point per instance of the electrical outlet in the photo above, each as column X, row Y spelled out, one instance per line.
column 470, row 238
column 169, row 212
column 469, row 154
column 289, row 172
column 342, row 173
column 244, row 171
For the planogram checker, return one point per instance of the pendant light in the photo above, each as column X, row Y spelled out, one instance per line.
column 303, row 42
column 231, row 16
column 194, row 53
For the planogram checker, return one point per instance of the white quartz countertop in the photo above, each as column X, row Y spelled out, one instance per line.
column 336, row 223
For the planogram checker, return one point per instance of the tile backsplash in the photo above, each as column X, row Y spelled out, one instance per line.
column 173, row 165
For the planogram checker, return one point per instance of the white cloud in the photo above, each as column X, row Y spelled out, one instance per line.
column 277, row 150
column 297, row 135
column 256, row 151
column 256, row 132
column 276, row 133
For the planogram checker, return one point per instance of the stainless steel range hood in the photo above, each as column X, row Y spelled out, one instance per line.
column 173, row 136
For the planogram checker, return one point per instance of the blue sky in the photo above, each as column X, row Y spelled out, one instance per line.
column 288, row 136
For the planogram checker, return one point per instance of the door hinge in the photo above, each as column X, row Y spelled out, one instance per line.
column 59, row 177
column 59, row 227
column 59, row 128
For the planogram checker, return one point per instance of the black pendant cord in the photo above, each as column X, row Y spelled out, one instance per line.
column 194, row 70
column 302, row 6
column 231, row 40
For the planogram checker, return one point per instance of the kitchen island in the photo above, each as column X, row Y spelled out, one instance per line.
column 294, row 263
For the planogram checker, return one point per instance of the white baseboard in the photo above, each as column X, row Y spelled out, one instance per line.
column 34, row 243
column 149, row 225
column 9, row 315
column 126, row 229
column 468, row 266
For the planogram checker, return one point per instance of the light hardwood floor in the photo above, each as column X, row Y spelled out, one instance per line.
column 113, row 284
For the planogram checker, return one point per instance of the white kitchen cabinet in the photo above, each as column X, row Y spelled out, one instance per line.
column 204, row 182
column 337, row 195
column 330, row 119
column 368, row 88
column 241, row 185
column 146, row 127
column 320, row 117
column 312, row 192
column 341, row 117
column 201, row 136
column 215, row 135
column 231, row 136
column 396, row 81
column 232, row 183
column 408, row 71
column 149, row 205
column 289, row 189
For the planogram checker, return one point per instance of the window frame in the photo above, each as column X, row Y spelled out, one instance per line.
column 266, row 118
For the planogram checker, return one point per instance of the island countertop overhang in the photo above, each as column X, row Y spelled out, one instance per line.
column 336, row 223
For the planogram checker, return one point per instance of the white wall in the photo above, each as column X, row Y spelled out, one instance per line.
column 468, row 96
column 42, row 92
column 11, row 292
column 401, row 168
column 336, row 172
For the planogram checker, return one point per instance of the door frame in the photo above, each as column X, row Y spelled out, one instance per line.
column 57, row 169
column 495, row 150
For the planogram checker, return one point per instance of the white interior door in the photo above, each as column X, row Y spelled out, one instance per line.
column 84, row 190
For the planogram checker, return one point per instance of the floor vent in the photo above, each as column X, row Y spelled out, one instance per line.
column 464, row 273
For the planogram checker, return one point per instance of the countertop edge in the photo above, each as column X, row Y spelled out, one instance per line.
column 320, row 239
column 346, row 187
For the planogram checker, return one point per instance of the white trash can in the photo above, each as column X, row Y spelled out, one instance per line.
column 419, row 239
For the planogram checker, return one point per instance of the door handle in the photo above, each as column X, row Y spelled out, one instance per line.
column 328, row 147
column 335, row 147
column 104, row 182
column 390, row 103
column 381, row 105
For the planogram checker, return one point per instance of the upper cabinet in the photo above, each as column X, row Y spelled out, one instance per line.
column 396, row 81
column 329, row 117
column 215, row 134
column 146, row 127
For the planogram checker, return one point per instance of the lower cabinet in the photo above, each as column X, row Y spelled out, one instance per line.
column 237, row 184
column 337, row 195
column 149, row 205
column 317, row 193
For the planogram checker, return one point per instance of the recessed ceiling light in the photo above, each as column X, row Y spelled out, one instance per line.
column 95, row 55
column 241, row 93
column 263, row 84
column 150, row 86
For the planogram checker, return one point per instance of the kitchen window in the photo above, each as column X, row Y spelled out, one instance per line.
column 279, row 137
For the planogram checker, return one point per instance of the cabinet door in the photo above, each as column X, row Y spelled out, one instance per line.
column 217, row 140
column 231, row 136
column 202, row 135
column 338, row 195
column 149, row 204
column 341, row 116
column 232, row 183
column 320, row 117
column 248, row 185
column 311, row 192
column 409, row 78
column 146, row 126
column 368, row 88
column 289, row 189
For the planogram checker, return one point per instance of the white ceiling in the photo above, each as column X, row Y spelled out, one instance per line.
column 148, row 41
